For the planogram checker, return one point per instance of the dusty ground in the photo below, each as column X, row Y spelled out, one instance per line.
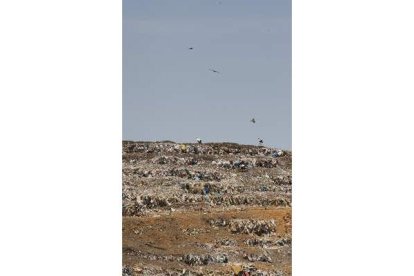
column 210, row 209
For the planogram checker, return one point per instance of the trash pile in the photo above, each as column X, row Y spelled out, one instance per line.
column 192, row 259
column 198, row 148
column 226, row 242
column 251, row 226
column 199, row 208
column 257, row 258
column 172, row 160
column 127, row 271
column 220, row 222
column 266, row 243
column 162, row 175
column 197, row 194
column 246, row 226
column 253, row 199
column 157, row 271
column 246, row 163
column 251, row 270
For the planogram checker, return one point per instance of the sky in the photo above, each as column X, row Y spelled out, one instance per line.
column 169, row 92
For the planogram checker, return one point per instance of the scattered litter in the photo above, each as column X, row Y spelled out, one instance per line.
column 127, row 271
column 226, row 242
column 257, row 258
column 163, row 181
column 193, row 260
column 250, row 226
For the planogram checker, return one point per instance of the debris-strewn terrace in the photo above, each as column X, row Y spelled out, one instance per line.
column 206, row 209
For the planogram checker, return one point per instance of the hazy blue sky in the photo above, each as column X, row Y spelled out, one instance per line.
column 169, row 92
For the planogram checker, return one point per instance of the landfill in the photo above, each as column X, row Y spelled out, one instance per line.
column 206, row 209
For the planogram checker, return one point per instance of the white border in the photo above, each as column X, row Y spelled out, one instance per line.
column 60, row 113
column 352, row 137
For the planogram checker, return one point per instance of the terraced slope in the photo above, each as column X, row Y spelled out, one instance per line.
column 205, row 209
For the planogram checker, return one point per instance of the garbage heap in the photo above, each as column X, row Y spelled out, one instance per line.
column 164, row 176
column 206, row 209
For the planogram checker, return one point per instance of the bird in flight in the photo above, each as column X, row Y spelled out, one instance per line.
column 191, row 48
column 253, row 120
column 214, row 71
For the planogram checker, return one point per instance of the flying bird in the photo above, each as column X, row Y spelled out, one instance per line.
column 214, row 71
column 253, row 120
column 191, row 48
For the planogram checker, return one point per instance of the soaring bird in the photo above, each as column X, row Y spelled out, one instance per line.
column 191, row 48
column 260, row 141
column 253, row 120
column 212, row 70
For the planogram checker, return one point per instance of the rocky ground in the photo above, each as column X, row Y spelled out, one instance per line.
column 206, row 209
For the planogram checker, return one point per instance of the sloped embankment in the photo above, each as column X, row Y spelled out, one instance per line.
column 205, row 209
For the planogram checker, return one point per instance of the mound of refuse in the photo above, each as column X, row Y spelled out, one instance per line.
column 159, row 176
column 206, row 209
column 251, row 226
column 192, row 259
